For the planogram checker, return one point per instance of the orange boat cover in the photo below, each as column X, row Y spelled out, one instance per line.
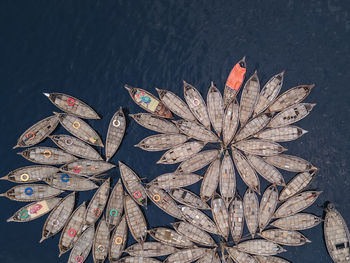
column 236, row 77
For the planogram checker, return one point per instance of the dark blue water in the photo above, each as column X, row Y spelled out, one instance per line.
column 90, row 49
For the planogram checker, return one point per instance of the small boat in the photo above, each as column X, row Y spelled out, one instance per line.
column 84, row 167
column 336, row 234
column 284, row 237
column 72, row 229
column 236, row 218
column 220, row 215
column 268, row 171
column 290, row 97
column 31, row 192
column 186, row 255
column 58, row 217
column 234, row 81
column 300, row 221
column 75, row 146
column 268, row 93
column 297, row 184
column 154, row 123
column 252, row 127
column 216, row 108
column 101, row 242
column 181, row 152
column 210, row 257
column 161, row 142
column 249, row 98
column 118, row 240
column 133, row 184
column 199, row 219
column 188, row 198
column 196, row 131
column 210, row 181
column 270, row 259
column 260, row 247
column 296, row 204
column 138, row 260
column 240, row 256
column 148, row 102
column 251, row 211
column 70, row 182
column 79, row 129
column 246, row 171
column 170, row 237
column 268, row 206
column 136, row 220
column 34, row 210
column 230, row 122
column 37, row 132
column 281, row 134
column 150, row 249
column 47, row 155
column 227, row 182
column 115, row 133
column 30, row 174
column 194, row 234
column 260, row 147
column 115, row 205
column 174, row 180
column 72, row 105
column 163, row 201
column 196, row 104
column 198, row 161
column 289, row 163
column 175, row 104
column 82, row 246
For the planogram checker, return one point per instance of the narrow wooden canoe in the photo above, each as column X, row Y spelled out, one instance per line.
column 210, row 181
column 199, row 219
column 150, row 249
column 181, row 152
column 30, row 174
column 174, row 180
column 260, row 247
column 270, row 259
column 170, row 237
column 82, row 246
column 186, row 255
column 220, row 215
column 300, row 221
column 236, row 218
column 289, row 163
column 148, row 102
column 84, row 167
column 240, row 256
column 196, row 131
column 161, row 142
column 268, row 206
column 188, row 198
column 47, row 155
column 154, row 123
column 227, row 181
column 210, row 257
column 138, row 260
column 252, row 127
column 198, row 161
column 70, row 182
column 260, row 147
column 115, row 205
column 230, row 122
column 285, row 237
column 281, row 134
column 251, row 211
column 101, row 242
column 118, row 240
column 216, row 107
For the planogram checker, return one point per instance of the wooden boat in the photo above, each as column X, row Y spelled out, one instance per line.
column 245, row 170
column 220, row 215
column 188, row 198
column 300, row 221
column 284, row 237
column 297, row 184
column 170, row 237
column 150, row 249
column 249, row 98
column 196, row 104
column 227, row 182
column 101, row 242
column 72, row 105
column 58, row 217
column 174, row 180
column 136, row 220
column 289, row 163
column 133, row 184
column 268, row 171
column 84, row 167
column 268, row 93
column 196, row 131
column 30, row 174
column 281, row 134
column 270, row 259
column 194, row 234
column 260, row 247
column 186, row 255
column 260, row 147
column 290, row 97
column 118, row 240
column 70, row 182
column 34, row 210
column 268, row 205
column 236, row 218
column 161, row 142
column 296, row 204
column 198, row 161
column 37, row 132
column 115, row 205
column 199, row 219
column 115, row 133
column 336, row 234
column 79, row 129
column 72, row 229
column 210, row 181
column 291, row 115
column 175, row 104
column 82, row 246
column 31, row 192
column 76, row 147
column 181, row 152
column 216, row 108
column 251, row 211
column 252, row 127
column 240, row 256
column 148, row 102
column 230, row 122
column 138, row 260
column 47, row 155
column 234, row 81
column 154, row 123
column 210, row 257
column 163, row 201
